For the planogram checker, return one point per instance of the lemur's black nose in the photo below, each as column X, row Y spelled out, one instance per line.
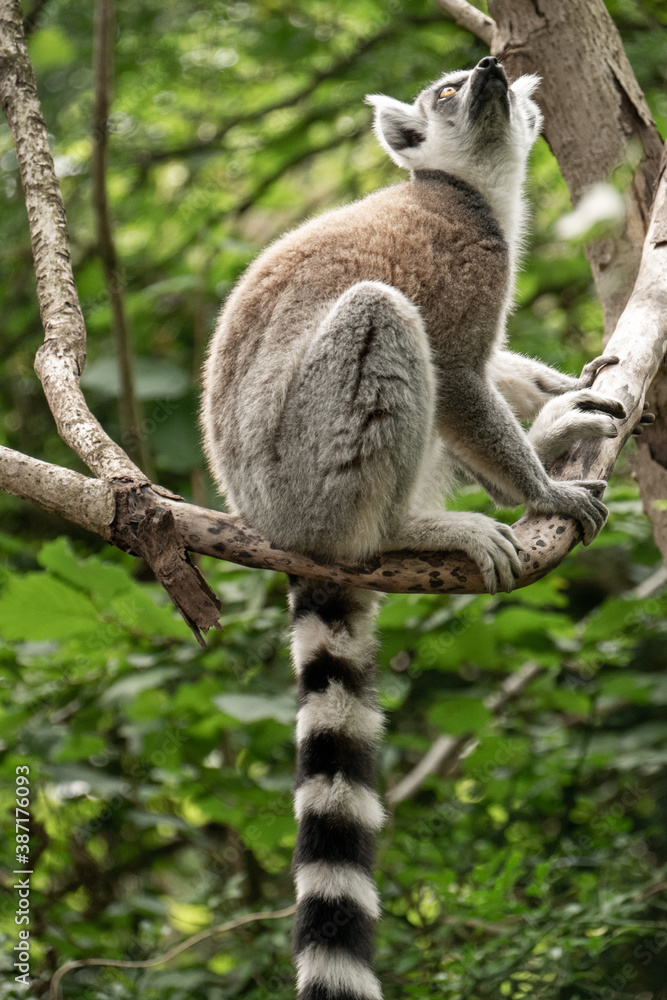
column 487, row 62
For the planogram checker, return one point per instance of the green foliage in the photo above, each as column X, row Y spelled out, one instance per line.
column 161, row 774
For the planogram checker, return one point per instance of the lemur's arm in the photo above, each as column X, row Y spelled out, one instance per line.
column 528, row 384
column 486, row 437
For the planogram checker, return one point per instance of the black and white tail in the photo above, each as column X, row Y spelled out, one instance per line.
column 335, row 801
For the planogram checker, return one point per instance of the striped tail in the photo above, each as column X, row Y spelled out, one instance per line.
column 336, row 805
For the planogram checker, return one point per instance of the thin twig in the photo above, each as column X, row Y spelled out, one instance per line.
column 305, row 154
column 32, row 18
column 129, row 407
column 470, row 18
column 247, row 118
column 445, row 750
column 167, row 956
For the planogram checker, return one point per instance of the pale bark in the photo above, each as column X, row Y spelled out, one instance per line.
column 470, row 18
column 87, row 502
column 596, row 119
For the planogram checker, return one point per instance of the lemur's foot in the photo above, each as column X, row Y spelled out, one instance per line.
column 577, row 497
column 494, row 547
column 589, row 371
column 491, row 544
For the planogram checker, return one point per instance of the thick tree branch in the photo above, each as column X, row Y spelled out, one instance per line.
column 593, row 128
column 87, row 502
column 470, row 18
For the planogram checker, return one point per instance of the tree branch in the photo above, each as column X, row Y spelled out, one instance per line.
column 608, row 126
column 61, row 357
column 446, row 750
column 87, row 502
column 167, row 956
column 470, row 18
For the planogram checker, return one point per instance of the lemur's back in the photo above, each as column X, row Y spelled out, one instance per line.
column 413, row 236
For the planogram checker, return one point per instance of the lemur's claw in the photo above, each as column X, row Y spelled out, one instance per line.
column 646, row 419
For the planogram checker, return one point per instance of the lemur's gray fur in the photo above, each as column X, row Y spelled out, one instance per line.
column 358, row 367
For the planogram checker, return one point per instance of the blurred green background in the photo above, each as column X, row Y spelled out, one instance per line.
column 161, row 774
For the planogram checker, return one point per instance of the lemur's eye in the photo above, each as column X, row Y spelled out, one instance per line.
column 447, row 92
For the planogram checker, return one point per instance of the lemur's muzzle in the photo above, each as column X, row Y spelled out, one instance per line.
column 488, row 83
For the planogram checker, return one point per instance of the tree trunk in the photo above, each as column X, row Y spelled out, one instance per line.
column 596, row 120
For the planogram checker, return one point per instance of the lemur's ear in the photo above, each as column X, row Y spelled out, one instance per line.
column 526, row 85
column 399, row 127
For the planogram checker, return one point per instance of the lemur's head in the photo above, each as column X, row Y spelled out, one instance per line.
column 464, row 121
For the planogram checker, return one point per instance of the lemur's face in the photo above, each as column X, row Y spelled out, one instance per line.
column 462, row 121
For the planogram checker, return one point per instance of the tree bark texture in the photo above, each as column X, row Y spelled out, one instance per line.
column 596, row 119
column 87, row 502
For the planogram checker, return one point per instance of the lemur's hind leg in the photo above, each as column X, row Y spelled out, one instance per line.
column 357, row 418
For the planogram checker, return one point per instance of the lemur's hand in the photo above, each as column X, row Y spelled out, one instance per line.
column 589, row 374
column 646, row 418
column 576, row 497
column 580, row 413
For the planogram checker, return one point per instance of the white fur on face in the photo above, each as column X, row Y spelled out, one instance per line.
column 429, row 135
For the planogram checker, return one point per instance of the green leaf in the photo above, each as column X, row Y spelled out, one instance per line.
column 460, row 715
column 139, row 612
column 129, row 686
column 253, row 707
column 36, row 606
column 100, row 579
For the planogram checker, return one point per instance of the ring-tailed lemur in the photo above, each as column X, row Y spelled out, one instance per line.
column 357, row 366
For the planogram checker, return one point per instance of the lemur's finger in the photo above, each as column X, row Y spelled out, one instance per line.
column 507, row 531
column 509, row 567
column 590, row 370
column 592, row 513
column 645, row 420
column 588, row 400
